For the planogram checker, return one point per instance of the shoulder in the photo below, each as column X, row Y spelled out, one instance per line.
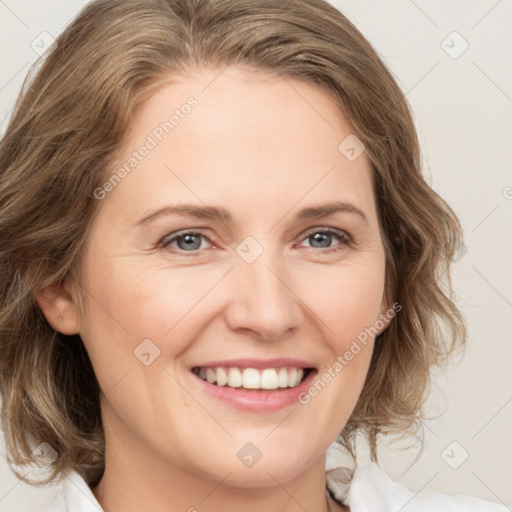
column 368, row 487
column 75, row 496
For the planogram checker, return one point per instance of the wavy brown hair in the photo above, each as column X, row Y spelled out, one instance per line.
column 70, row 119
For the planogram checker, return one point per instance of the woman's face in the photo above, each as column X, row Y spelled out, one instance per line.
column 252, row 279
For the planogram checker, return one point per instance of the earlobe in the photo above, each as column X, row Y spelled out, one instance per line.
column 59, row 308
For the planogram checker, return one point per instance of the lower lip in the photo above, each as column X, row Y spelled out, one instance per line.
column 257, row 400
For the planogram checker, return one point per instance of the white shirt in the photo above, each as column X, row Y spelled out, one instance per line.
column 367, row 489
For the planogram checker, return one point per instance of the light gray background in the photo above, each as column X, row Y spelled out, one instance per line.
column 463, row 110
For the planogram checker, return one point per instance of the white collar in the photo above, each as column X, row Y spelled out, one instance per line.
column 367, row 487
column 76, row 496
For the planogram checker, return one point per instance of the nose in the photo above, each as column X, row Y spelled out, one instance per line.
column 264, row 302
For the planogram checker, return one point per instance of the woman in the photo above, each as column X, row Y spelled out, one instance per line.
column 220, row 257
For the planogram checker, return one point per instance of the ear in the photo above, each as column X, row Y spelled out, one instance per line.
column 59, row 308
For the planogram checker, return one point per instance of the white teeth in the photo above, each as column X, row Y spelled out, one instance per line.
column 222, row 377
column 234, row 378
column 282, row 379
column 252, row 378
column 269, row 379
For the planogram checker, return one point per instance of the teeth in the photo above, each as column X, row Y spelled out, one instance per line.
column 252, row 378
column 282, row 378
column 292, row 377
column 269, row 379
column 222, row 377
column 210, row 375
column 234, row 378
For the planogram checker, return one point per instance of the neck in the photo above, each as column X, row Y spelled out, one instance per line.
column 135, row 475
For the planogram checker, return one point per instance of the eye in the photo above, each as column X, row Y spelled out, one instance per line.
column 321, row 238
column 186, row 241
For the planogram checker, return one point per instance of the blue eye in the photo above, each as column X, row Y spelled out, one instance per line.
column 324, row 237
column 188, row 241
column 191, row 241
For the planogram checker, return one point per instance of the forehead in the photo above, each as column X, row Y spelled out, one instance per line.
column 251, row 104
column 250, row 135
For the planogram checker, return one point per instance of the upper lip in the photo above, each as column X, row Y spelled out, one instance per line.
column 257, row 363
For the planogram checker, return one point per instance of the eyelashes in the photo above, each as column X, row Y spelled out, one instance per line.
column 185, row 235
column 342, row 236
column 191, row 239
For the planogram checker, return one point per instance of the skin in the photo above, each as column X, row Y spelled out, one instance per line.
column 263, row 148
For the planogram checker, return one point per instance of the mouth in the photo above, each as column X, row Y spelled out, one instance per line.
column 250, row 378
column 255, row 385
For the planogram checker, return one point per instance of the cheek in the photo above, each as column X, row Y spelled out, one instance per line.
column 127, row 302
column 159, row 301
column 130, row 298
column 346, row 300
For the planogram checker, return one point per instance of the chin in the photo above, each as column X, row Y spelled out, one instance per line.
column 280, row 467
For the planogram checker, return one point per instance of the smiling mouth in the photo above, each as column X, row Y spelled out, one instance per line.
column 263, row 379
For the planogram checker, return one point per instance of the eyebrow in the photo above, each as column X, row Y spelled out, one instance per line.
column 220, row 214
